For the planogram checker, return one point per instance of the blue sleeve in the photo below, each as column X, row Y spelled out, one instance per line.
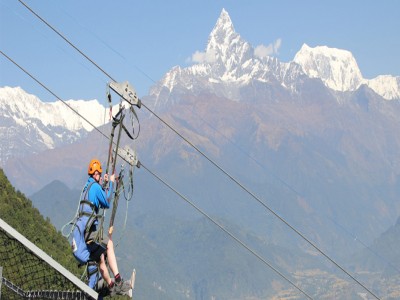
column 99, row 197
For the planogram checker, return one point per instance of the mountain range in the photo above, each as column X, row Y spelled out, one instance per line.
column 313, row 139
column 32, row 126
column 231, row 65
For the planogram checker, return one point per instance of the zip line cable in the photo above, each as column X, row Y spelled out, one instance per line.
column 245, row 153
column 65, row 39
column 169, row 186
column 224, row 229
column 297, row 193
column 47, row 89
column 287, row 185
column 151, row 79
column 260, row 201
column 211, row 161
column 282, row 181
column 63, row 101
column 58, row 47
column 355, row 238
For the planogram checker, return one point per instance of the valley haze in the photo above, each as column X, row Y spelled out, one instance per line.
column 311, row 137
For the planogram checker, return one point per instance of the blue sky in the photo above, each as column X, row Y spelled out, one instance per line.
column 140, row 41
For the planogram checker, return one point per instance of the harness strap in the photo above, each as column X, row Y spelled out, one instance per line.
column 89, row 225
column 84, row 200
column 89, row 264
column 93, row 217
column 87, row 202
column 91, row 205
column 85, row 214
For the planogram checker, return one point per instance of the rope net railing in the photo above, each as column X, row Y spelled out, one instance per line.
column 25, row 275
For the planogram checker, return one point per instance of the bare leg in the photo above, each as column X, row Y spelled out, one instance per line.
column 104, row 270
column 112, row 261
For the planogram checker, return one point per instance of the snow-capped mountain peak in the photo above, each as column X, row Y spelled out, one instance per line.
column 386, row 85
column 28, row 125
column 222, row 36
column 19, row 105
column 229, row 63
column 337, row 68
column 226, row 51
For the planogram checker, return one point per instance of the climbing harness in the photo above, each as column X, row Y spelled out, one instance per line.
column 127, row 97
column 92, row 237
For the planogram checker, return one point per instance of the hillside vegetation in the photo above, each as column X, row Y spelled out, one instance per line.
column 18, row 212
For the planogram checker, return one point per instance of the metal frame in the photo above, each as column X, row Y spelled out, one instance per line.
column 46, row 258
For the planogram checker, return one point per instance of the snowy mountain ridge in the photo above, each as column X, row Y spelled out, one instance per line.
column 28, row 125
column 19, row 105
column 335, row 67
column 229, row 62
column 339, row 71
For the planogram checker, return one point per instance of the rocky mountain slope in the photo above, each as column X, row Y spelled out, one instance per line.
column 311, row 138
column 28, row 125
column 231, row 64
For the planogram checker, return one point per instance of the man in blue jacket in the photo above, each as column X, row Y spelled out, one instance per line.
column 89, row 245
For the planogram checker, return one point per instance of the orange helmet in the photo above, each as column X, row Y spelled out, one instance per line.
column 94, row 166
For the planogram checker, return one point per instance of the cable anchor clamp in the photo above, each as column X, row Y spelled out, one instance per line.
column 126, row 91
column 129, row 156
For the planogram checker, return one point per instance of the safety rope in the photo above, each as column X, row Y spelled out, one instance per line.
column 128, row 198
column 72, row 222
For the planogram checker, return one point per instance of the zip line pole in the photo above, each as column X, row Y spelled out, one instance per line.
column 118, row 180
column 129, row 156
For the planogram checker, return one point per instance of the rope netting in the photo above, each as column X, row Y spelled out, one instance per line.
column 27, row 276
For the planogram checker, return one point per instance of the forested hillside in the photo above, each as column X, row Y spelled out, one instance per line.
column 18, row 212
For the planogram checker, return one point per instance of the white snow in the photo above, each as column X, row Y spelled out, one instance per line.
column 21, row 106
column 339, row 71
column 47, row 140
column 337, row 68
column 235, row 62
column 385, row 85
